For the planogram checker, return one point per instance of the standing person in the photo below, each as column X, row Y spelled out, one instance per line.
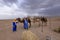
column 14, row 25
column 25, row 21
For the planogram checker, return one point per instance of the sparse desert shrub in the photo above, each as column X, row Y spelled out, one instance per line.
column 28, row 35
column 57, row 30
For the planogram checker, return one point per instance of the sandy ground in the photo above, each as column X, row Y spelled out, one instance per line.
column 7, row 34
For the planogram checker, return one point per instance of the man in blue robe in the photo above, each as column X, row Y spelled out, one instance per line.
column 25, row 21
column 14, row 26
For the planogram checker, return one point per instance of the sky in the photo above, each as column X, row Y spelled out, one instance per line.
column 10, row 9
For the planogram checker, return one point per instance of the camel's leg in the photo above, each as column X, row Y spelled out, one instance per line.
column 29, row 25
column 39, row 23
column 42, row 26
column 45, row 23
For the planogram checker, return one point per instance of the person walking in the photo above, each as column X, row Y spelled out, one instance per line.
column 14, row 28
column 25, row 21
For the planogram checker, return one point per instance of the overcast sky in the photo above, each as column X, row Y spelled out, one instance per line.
column 20, row 8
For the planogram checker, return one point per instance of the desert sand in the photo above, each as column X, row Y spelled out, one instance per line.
column 6, row 32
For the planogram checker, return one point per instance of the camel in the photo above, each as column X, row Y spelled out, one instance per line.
column 35, row 19
column 22, row 21
column 44, row 20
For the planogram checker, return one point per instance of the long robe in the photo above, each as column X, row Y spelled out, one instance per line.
column 14, row 26
column 25, row 24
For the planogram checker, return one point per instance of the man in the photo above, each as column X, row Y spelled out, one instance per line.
column 14, row 25
column 25, row 22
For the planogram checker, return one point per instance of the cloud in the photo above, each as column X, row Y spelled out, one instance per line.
column 12, row 11
column 54, row 11
column 40, row 6
column 21, row 8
